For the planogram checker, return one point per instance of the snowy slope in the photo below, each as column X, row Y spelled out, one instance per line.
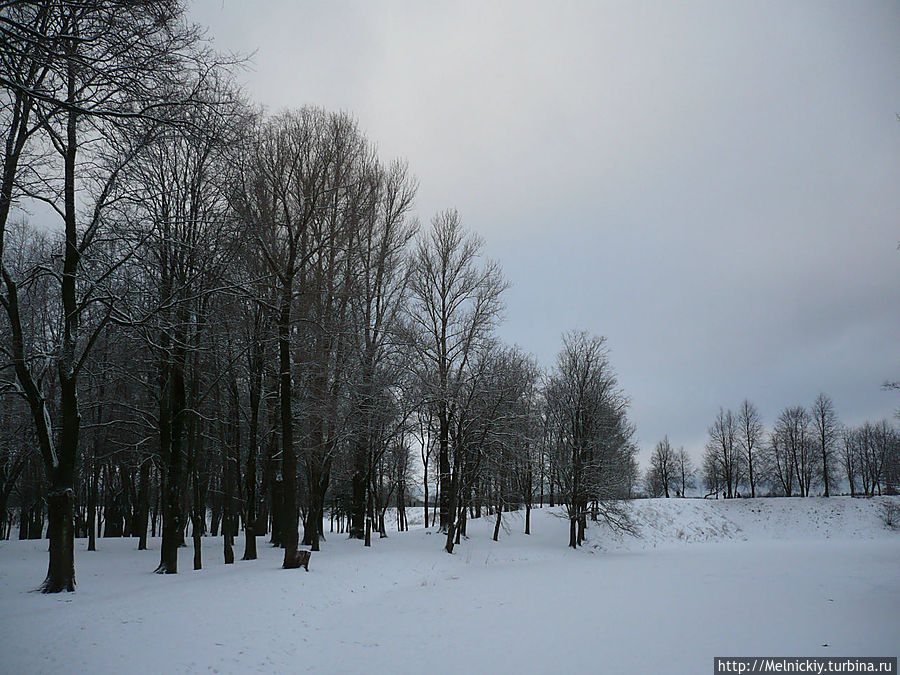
column 785, row 577
column 666, row 522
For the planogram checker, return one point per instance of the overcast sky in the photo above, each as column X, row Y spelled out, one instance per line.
column 713, row 186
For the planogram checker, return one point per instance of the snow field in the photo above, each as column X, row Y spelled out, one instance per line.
column 748, row 577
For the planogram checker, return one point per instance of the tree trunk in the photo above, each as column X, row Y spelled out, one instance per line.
column 92, row 508
column 425, row 483
column 318, row 485
column 453, row 488
column 358, row 488
column 250, row 519
column 289, row 520
column 276, row 496
column 61, row 500
column 143, row 505
column 446, row 513
column 196, row 526
column 252, row 450
column 370, row 510
column 172, row 437
column 61, row 532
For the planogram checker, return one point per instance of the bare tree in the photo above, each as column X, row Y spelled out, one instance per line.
column 827, row 430
column 493, row 436
column 750, row 435
column 723, row 451
column 793, row 434
column 380, row 291
column 685, row 471
column 591, row 437
column 74, row 76
column 662, row 474
column 881, row 457
column 455, row 305
column 279, row 194
column 185, row 239
column 780, row 462
column 849, row 457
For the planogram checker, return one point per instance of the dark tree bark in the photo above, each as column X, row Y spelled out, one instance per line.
column 171, row 441
column 61, row 500
column 527, row 517
column 359, row 481
column 452, row 503
column 256, row 373
column 143, row 504
column 446, row 510
column 288, row 523
column 196, row 514
column 92, row 506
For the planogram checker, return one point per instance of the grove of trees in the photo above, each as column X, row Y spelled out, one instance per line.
column 215, row 320
column 218, row 320
column 806, row 452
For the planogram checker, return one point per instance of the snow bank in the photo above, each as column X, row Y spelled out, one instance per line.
column 671, row 522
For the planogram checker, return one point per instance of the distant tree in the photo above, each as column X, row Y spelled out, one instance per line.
column 662, row 474
column 880, row 452
column 522, row 441
column 175, row 218
column 850, row 457
column 13, row 452
column 892, row 462
column 750, row 435
column 685, row 470
column 591, row 437
column 827, row 431
column 653, row 483
column 504, row 432
column 712, row 475
column 793, row 432
column 724, row 452
column 782, row 469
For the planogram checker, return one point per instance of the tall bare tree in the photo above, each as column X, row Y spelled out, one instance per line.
column 663, row 472
column 794, row 439
column 591, row 436
column 685, row 470
column 750, row 438
column 723, row 452
column 278, row 195
column 455, row 305
column 381, row 282
column 827, row 430
column 74, row 76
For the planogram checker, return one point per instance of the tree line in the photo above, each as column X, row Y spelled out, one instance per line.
column 235, row 322
column 807, row 451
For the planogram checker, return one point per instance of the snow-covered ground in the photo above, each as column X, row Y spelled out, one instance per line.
column 748, row 577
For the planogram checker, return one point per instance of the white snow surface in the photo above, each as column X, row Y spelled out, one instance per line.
column 788, row 577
